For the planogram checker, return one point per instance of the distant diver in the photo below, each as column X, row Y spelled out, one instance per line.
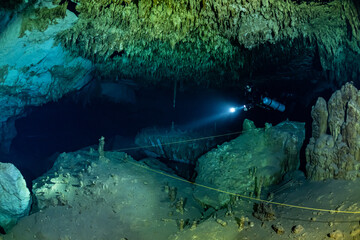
column 257, row 100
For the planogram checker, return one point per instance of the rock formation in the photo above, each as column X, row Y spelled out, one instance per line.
column 257, row 158
column 122, row 192
column 33, row 69
column 15, row 198
column 334, row 149
column 159, row 144
column 211, row 42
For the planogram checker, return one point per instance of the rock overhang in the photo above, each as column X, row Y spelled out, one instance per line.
column 213, row 43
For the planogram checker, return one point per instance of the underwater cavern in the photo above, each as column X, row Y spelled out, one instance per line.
column 179, row 119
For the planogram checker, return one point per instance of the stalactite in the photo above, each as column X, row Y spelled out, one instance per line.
column 175, row 87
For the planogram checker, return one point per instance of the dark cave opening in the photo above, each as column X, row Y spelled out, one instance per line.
column 71, row 6
column 117, row 54
column 73, row 123
column 69, row 125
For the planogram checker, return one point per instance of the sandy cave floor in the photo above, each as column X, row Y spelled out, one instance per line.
column 84, row 197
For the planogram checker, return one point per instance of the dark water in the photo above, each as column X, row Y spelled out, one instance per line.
column 69, row 125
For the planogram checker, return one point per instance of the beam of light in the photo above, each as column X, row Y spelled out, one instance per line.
column 205, row 121
column 234, row 109
column 222, row 115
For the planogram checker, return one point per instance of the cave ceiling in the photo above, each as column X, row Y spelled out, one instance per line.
column 215, row 43
column 211, row 42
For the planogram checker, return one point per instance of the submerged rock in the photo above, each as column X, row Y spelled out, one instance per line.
column 159, row 143
column 257, row 158
column 15, row 198
column 84, row 196
column 334, row 149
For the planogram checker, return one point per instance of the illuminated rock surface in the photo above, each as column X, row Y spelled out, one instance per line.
column 256, row 159
column 15, row 198
column 334, row 149
column 34, row 69
column 84, row 198
column 112, row 195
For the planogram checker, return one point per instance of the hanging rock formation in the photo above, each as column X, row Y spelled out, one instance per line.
column 15, row 198
column 334, row 149
column 257, row 158
column 211, row 42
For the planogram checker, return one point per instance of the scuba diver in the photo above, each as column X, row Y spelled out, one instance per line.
column 257, row 100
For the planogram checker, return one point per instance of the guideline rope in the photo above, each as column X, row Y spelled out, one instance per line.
column 179, row 142
column 219, row 190
column 239, row 195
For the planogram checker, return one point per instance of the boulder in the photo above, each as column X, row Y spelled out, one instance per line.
column 15, row 197
column 258, row 158
column 334, row 148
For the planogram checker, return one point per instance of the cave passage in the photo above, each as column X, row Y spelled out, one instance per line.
column 69, row 124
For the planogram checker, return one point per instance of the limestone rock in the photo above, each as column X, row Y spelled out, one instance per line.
column 264, row 212
column 33, row 69
column 120, row 196
column 334, row 149
column 248, row 125
column 320, row 115
column 158, row 139
column 257, row 158
column 355, row 232
column 212, row 40
column 297, row 229
column 337, row 235
column 15, row 198
column 278, row 229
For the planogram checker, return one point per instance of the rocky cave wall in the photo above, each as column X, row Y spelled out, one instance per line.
column 34, row 69
column 211, row 42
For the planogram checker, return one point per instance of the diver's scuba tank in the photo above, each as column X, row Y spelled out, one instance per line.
column 273, row 104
